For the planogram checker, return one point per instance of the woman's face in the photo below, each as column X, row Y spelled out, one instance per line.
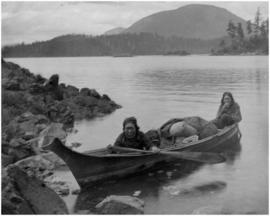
column 130, row 130
column 227, row 99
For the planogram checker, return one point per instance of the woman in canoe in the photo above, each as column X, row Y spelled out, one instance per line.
column 228, row 111
column 132, row 137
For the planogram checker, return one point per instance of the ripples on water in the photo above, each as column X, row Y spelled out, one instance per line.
column 155, row 89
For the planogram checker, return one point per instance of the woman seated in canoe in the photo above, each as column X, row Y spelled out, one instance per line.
column 228, row 111
column 132, row 137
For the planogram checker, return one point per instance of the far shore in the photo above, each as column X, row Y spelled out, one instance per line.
column 207, row 54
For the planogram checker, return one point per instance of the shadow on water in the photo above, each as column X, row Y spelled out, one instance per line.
column 149, row 183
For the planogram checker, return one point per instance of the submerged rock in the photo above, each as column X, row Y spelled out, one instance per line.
column 206, row 210
column 205, row 188
column 196, row 190
column 120, row 205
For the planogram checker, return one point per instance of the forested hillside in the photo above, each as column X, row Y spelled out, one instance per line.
column 110, row 45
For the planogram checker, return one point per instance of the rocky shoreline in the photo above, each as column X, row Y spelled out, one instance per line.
column 34, row 109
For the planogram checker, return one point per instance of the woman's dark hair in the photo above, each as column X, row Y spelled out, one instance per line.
column 227, row 94
column 132, row 120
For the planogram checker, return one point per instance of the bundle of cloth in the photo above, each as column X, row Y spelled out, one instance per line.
column 184, row 130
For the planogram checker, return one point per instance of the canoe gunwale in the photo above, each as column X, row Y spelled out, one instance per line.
column 99, row 164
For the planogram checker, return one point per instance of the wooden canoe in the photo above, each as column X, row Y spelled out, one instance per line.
column 100, row 164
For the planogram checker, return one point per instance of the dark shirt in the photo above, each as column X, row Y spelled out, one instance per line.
column 138, row 142
column 233, row 111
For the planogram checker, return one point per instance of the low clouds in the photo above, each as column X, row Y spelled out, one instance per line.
column 35, row 21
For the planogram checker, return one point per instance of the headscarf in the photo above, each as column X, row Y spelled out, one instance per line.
column 132, row 120
column 227, row 94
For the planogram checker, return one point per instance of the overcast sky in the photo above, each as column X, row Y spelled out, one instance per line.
column 36, row 21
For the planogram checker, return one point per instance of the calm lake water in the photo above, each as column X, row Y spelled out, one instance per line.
column 157, row 88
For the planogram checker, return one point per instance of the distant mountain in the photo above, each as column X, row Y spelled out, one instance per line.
column 194, row 29
column 191, row 21
column 114, row 31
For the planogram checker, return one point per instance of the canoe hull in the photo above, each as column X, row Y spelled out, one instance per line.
column 92, row 167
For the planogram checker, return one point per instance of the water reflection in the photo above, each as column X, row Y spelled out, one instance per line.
column 153, row 183
column 158, row 88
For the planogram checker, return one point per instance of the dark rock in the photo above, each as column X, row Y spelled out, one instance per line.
column 40, row 79
column 70, row 91
column 7, row 159
column 94, row 93
column 12, row 202
column 120, row 205
column 36, row 166
column 36, row 88
column 62, row 86
column 105, row 97
column 60, row 112
column 85, row 92
column 42, row 199
column 53, row 81
column 29, row 135
column 19, row 149
column 26, row 123
column 75, row 192
column 12, row 85
column 17, row 142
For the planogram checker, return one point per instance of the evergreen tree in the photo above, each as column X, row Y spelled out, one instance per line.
column 231, row 29
column 240, row 32
column 263, row 29
column 222, row 43
column 249, row 27
column 257, row 22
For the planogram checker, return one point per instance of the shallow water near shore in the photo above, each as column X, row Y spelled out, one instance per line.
column 155, row 89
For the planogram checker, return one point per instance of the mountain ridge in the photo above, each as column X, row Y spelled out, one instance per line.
column 190, row 21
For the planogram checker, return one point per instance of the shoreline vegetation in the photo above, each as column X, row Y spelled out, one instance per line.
column 121, row 45
column 253, row 42
column 34, row 109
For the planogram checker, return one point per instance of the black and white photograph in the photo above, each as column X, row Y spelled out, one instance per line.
column 135, row 107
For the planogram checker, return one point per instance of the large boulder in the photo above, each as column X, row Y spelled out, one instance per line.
column 7, row 159
column 59, row 111
column 12, row 201
column 42, row 199
column 19, row 149
column 120, row 205
column 70, row 91
column 13, row 85
column 26, row 124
